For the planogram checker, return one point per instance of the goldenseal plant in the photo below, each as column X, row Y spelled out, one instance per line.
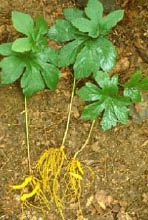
column 28, row 57
column 84, row 33
column 105, row 97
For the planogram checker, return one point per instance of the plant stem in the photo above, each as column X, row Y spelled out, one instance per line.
column 87, row 140
column 27, row 134
column 69, row 112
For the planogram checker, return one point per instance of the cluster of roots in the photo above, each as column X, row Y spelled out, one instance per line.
column 55, row 180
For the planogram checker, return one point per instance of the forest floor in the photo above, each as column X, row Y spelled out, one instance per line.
column 118, row 157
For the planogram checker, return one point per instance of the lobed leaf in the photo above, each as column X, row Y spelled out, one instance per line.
column 114, row 106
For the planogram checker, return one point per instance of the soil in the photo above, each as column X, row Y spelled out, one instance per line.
column 118, row 157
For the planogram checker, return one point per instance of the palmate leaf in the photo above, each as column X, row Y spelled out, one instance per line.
column 96, row 54
column 106, row 100
column 46, row 72
column 94, row 11
column 134, row 86
column 40, row 71
column 96, row 51
column 29, row 58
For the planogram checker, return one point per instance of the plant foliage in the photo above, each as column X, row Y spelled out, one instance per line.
column 105, row 99
column 85, row 31
column 29, row 57
column 134, row 87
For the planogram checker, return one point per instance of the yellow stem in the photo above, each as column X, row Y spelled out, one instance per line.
column 87, row 140
column 69, row 112
column 27, row 134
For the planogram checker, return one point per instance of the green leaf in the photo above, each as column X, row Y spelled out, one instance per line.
column 135, row 78
column 41, row 25
column 48, row 55
column 5, row 49
column 111, row 20
column 12, row 68
column 94, row 10
column 113, row 113
column 143, row 85
column 73, row 13
column 23, row 23
column 51, row 75
column 62, row 31
column 106, row 53
column 114, row 106
column 69, row 52
column 121, row 112
column 32, row 81
column 109, row 118
column 133, row 94
column 92, row 111
column 86, row 62
column 134, row 86
column 21, row 45
column 90, row 92
column 83, row 24
column 110, row 86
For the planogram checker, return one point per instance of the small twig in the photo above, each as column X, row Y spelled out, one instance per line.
column 27, row 134
column 69, row 112
column 87, row 140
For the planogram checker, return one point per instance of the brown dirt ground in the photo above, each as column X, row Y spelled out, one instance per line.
column 118, row 157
